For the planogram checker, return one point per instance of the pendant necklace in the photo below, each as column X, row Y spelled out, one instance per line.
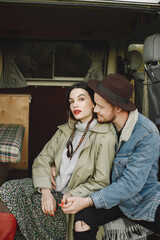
column 69, row 145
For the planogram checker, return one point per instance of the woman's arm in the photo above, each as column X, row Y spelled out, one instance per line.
column 42, row 174
column 41, row 169
column 48, row 202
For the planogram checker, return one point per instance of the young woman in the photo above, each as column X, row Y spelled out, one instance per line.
column 82, row 152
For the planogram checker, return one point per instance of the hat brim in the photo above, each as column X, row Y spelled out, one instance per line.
column 93, row 84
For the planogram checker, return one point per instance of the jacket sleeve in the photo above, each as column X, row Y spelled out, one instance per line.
column 134, row 175
column 104, row 153
column 41, row 169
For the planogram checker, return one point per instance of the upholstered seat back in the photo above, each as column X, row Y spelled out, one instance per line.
column 151, row 57
column 134, row 61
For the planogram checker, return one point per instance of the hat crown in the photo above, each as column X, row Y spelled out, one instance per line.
column 118, row 85
column 116, row 89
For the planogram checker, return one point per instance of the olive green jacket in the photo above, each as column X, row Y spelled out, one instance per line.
column 92, row 171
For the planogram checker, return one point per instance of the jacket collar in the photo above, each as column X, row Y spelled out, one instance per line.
column 129, row 126
column 66, row 129
column 99, row 128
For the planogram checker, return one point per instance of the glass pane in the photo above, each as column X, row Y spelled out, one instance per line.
column 138, row 47
column 71, row 60
column 35, row 59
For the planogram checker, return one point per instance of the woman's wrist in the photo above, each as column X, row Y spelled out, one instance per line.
column 45, row 190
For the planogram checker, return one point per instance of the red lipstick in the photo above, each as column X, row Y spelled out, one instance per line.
column 77, row 111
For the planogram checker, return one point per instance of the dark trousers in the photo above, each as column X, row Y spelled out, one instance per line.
column 98, row 217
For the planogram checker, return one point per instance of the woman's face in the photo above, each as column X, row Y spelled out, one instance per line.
column 81, row 104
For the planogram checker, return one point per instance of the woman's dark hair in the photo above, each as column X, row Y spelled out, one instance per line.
column 84, row 86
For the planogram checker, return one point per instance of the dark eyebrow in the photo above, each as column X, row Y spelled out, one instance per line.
column 79, row 95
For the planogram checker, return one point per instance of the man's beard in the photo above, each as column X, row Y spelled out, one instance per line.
column 108, row 120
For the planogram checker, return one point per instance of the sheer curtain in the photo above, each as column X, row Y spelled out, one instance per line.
column 97, row 53
column 11, row 76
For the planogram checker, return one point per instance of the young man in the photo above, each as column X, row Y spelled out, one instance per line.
column 135, row 190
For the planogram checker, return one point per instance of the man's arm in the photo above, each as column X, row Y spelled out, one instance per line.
column 128, row 185
column 134, row 175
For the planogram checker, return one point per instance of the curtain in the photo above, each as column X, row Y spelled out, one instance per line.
column 11, row 76
column 97, row 55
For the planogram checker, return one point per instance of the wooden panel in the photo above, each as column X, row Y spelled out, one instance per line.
column 3, row 172
column 14, row 109
column 1, row 62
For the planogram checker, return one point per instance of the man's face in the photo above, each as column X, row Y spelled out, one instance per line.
column 106, row 112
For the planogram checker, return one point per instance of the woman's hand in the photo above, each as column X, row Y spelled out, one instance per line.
column 53, row 174
column 48, row 202
column 64, row 199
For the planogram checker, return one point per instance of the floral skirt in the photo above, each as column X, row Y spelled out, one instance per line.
column 25, row 203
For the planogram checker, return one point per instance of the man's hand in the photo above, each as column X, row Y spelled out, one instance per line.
column 53, row 174
column 75, row 204
column 48, row 202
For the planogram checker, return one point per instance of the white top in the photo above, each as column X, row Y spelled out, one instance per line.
column 67, row 164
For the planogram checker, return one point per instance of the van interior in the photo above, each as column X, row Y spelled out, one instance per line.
column 46, row 46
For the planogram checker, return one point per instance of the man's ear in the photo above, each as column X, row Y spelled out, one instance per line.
column 119, row 109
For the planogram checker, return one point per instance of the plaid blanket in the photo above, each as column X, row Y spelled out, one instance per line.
column 125, row 229
column 11, row 139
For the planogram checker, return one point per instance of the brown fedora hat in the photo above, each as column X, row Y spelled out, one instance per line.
column 116, row 89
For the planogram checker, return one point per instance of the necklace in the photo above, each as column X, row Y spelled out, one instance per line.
column 69, row 145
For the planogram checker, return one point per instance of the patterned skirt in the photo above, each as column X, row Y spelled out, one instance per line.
column 25, row 203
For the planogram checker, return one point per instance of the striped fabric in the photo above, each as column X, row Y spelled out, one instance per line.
column 11, row 139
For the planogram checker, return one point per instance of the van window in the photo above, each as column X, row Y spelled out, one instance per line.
column 49, row 61
column 138, row 47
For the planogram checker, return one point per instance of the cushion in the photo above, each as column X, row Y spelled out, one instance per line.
column 11, row 140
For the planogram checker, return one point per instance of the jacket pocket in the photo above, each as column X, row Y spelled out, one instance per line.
column 120, row 163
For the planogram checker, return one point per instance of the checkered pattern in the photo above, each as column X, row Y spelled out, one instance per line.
column 11, row 139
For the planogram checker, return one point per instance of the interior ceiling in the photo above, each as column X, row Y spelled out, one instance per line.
column 64, row 22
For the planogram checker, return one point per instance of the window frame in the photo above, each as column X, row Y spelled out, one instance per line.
column 56, row 80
